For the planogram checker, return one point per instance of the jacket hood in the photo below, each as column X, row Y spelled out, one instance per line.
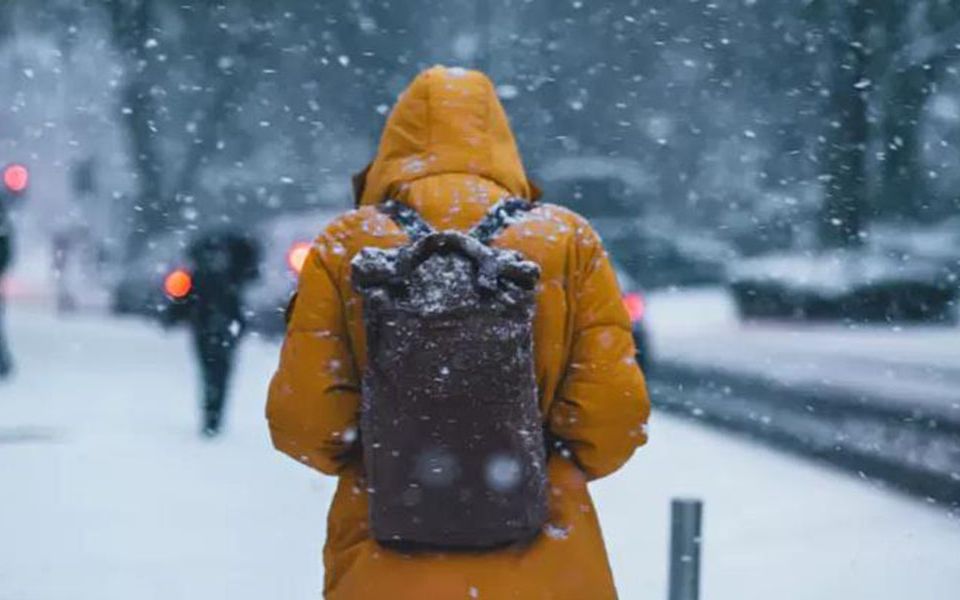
column 448, row 121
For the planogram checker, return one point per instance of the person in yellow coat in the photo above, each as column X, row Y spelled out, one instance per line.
column 448, row 152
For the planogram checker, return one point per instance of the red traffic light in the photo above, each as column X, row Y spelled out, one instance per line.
column 16, row 177
column 178, row 284
column 297, row 256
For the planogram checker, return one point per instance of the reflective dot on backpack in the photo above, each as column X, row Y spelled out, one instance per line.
column 503, row 473
column 436, row 468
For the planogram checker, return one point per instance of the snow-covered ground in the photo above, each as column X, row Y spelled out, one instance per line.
column 919, row 365
column 107, row 493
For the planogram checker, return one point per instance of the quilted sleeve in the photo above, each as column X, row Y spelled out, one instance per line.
column 314, row 396
column 602, row 407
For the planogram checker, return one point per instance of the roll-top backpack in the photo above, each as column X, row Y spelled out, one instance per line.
column 452, row 436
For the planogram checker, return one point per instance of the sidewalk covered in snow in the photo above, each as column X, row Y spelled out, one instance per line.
column 111, row 494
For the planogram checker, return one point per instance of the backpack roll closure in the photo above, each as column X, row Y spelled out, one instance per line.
column 452, row 435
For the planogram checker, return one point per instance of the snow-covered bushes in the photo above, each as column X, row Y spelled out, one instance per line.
column 858, row 285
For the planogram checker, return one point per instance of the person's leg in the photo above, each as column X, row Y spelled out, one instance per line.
column 6, row 363
column 216, row 362
column 206, row 361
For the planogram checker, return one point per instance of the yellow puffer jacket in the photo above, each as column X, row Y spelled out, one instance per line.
column 448, row 151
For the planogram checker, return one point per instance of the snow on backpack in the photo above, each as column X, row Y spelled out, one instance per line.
column 453, row 441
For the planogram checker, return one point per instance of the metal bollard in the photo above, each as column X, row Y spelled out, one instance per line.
column 685, row 520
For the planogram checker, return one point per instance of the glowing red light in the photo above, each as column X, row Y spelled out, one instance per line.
column 297, row 256
column 16, row 178
column 635, row 306
column 178, row 284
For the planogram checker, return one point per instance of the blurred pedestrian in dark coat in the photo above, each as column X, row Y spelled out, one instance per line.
column 6, row 257
column 222, row 264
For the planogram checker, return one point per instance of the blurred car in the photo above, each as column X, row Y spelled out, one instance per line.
column 865, row 285
column 138, row 289
column 285, row 241
column 636, row 304
column 614, row 193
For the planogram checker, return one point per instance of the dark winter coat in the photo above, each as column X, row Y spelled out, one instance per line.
column 222, row 263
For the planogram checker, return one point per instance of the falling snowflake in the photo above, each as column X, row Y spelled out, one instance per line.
column 557, row 532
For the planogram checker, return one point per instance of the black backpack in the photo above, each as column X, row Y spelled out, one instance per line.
column 452, row 435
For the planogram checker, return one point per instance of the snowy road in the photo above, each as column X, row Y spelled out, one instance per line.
column 107, row 493
column 880, row 400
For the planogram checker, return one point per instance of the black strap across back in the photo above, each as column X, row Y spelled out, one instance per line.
column 500, row 216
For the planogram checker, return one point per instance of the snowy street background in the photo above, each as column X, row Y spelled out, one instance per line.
column 108, row 493
column 777, row 183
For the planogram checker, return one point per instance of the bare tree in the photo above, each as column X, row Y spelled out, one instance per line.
column 131, row 25
column 216, row 50
column 920, row 43
column 847, row 131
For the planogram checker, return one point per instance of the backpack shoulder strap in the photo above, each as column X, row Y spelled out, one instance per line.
column 503, row 214
column 407, row 219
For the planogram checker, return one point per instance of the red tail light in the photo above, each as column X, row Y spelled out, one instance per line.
column 297, row 256
column 635, row 306
column 15, row 178
column 178, row 284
